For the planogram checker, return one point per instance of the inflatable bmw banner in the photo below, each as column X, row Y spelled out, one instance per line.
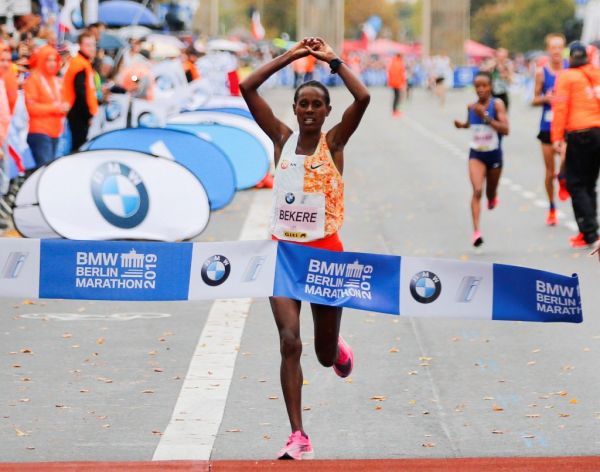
column 111, row 115
column 110, row 194
column 130, row 270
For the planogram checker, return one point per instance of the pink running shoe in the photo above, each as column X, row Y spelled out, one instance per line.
column 297, row 448
column 345, row 362
column 493, row 203
column 477, row 239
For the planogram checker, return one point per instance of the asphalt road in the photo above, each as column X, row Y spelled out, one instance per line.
column 111, row 381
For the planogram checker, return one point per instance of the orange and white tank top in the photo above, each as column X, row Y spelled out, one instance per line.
column 308, row 194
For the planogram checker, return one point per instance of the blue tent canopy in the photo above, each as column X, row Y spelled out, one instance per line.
column 125, row 13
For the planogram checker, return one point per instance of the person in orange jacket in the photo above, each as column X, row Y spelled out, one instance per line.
column 45, row 105
column 577, row 122
column 8, row 99
column 79, row 90
column 8, row 92
column 396, row 80
column 189, row 58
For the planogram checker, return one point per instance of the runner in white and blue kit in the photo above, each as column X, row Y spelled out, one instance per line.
column 545, row 78
column 488, row 119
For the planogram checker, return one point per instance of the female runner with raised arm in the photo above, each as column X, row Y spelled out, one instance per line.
column 308, row 180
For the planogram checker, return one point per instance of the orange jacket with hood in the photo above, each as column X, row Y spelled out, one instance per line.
column 43, row 95
column 11, row 86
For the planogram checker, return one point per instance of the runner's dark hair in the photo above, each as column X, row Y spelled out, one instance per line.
column 482, row 73
column 316, row 84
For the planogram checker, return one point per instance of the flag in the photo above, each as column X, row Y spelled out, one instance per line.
column 258, row 31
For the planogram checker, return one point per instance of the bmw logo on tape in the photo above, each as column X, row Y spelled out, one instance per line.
column 215, row 270
column 425, row 287
column 120, row 195
column 290, row 198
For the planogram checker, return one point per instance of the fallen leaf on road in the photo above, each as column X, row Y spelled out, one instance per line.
column 394, row 350
column 100, row 341
column 379, row 398
column 26, row 351
column 20, row 433
column 305, row 382
column 564, row 415
column 67, row 335
column 28, row 302
column 24, row 400
column 234, row 430
column 497, row 407
column 348, row 380
column 158, row 369
column 106, row 426
column 273, row 397
column 413, row 372
column 497, row 431
column 532, row 363
column 573, row 401
column 533, row 416
column 307, row 408
column 84, row 390
column 378, row 407
column 104, row 379
column 428, row 444
column 536, row 350
column 16, row 366
column 528, row 436
column 488, row 398
column 147, row 391
column 157, row 433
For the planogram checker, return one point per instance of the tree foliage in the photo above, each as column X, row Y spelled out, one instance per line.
column 521, row 25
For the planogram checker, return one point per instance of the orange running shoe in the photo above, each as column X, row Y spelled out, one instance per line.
column 577, row 237
column 551, row 219
column 563, row 193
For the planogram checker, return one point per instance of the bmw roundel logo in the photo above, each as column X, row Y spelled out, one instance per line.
column 290, row 198
column 164, row 83
column 215, row 270
column 425, row 287
column 112, row 111
column 120, row 195
column 148, row 119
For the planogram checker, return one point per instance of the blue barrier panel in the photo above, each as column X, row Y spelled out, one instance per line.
column 205, row 160
column 247, row 155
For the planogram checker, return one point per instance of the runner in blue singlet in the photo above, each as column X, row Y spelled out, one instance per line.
column 488, row 119
column 544, row 84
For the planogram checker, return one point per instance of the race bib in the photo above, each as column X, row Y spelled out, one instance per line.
column 548, row 116
column 485, row 138
column 299, row 216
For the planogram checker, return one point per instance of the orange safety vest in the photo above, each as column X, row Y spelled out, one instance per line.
column 79, row 63
column 396, row 74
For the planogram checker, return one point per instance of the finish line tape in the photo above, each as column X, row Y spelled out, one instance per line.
column 419, row 287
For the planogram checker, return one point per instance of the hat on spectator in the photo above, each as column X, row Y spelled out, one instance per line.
column 577, row 54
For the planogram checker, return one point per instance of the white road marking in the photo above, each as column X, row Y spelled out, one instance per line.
column 199, row 409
